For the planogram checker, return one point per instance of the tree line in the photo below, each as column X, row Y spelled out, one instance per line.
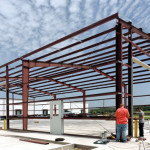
column 113, row 109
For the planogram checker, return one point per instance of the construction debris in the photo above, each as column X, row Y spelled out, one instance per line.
column 34, row 141
column 141, row 138
column 103, row 141
column 59, row 139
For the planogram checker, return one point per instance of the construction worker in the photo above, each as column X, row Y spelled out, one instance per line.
column 122, row 116
column 141, row 122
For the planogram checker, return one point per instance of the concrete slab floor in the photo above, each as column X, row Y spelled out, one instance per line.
column 89, row 127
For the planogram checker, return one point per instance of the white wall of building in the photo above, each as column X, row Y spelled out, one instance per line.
column 75, row 108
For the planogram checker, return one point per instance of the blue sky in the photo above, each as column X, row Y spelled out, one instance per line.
column 26, row 25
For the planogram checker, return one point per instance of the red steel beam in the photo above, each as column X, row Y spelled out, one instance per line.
column 47, row 100
column 25, row 81
column 20, row 78
column 134, row 38
column 126, row 65
column 114, row 50
column 80, row 70
column 15, row 85
column 66, row 98
column 71, row 53
column 49, row 64
column 85, row 48
column 77, row 43
column 106, row 75
column 34, row 141
column 68, row 85
column 128, row 40
column 41, row 91
column 107, row 31
column 34, row 90
column 86, row 54
column 82, row 49
column 93, row 95
column 134, row 29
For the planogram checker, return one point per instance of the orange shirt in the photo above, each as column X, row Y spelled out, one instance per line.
column 122, row 116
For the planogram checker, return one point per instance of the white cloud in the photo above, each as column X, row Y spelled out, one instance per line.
column 27, row 25
column 113, row 2
column 7, row 9
column 58, row 3
column 75, row 6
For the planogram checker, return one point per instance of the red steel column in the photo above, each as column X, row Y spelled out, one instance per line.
column 119, row 58
column 130, row 86
column 13, row 104
column 7, row 97
column 25, row 80
column 84, row 113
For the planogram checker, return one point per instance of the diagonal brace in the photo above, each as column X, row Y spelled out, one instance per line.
column 139, row 48
column 68, row 85
column 106, row 75
column 17, row 85
column 42, row 91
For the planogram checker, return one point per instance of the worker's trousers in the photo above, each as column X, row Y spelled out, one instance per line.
column 141, row 129
column 123, row 128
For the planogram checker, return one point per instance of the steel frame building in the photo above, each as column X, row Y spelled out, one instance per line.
column 91, row 63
